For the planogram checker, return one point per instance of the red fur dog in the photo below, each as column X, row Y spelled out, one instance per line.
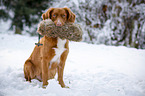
column 50, row 58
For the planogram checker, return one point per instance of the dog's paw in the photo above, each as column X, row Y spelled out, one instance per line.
column 44, row 85
column 66, row 87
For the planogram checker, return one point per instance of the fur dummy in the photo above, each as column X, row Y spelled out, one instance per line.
column 70, row 31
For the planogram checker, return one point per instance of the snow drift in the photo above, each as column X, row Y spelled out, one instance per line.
column 91, row 70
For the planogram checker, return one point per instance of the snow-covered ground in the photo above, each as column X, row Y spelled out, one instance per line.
column 91, row 70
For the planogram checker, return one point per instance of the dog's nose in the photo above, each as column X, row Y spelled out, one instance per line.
column 58, row 23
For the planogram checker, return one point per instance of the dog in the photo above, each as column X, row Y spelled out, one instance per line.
column 49, row 59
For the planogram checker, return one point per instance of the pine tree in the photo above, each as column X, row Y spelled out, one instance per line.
column 25, row 12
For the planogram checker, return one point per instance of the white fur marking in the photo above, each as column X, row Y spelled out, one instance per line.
column 58, row 22
column 58, row 51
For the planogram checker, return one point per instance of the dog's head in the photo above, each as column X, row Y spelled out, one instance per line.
column 59, row 16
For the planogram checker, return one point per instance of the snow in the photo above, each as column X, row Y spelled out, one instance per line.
column 91, row 70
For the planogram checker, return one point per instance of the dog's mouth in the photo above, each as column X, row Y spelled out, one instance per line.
column 59, row 23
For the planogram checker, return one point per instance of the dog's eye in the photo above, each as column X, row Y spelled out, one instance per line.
column 54, row 15
column 63, row 15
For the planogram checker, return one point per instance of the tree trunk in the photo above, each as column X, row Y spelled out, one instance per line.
column 18, row 30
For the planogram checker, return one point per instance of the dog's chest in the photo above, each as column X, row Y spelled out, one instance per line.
column 59, row 50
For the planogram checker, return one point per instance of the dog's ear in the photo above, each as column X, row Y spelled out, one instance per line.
column 70, row 15
column 47, row 14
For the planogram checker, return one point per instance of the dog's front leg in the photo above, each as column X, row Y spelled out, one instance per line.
column 45, row 60
column 60, row 69
column 44, row 64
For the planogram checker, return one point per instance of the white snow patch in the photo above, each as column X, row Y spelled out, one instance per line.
column 91, row 70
